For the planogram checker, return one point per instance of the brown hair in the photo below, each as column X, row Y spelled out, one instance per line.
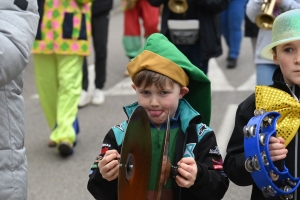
column 274, row 50
column 148, row 77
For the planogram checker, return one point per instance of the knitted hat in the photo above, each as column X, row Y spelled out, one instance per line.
column 160, row 55
column 286, row 28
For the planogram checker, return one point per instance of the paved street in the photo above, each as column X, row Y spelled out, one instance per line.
column 54, row 178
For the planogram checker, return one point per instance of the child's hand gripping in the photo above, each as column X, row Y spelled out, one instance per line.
column 109, row 165
column 277, row 148
column 187, row 169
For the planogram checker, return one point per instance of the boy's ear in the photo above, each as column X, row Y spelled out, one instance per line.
column 183, row 91
column 133, row 86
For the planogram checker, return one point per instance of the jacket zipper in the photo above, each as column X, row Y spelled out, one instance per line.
column 296, row 142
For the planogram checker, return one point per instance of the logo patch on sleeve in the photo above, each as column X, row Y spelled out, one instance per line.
column 215, row 151
column 119, row 126
column 202, row 130
column 189, row 148
column 104, row 150
column 219, row 164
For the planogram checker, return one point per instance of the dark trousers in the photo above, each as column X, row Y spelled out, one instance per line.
column 192, row 52
column 100, row 24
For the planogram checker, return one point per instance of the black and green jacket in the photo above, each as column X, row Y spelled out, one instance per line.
column 194, row 139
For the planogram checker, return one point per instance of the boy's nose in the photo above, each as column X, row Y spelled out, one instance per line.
column 297, row 59
column 154, row 102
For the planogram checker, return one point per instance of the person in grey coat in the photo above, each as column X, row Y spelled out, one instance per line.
column 18, row 26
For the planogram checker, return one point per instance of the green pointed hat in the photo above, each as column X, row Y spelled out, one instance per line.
column 160, row 55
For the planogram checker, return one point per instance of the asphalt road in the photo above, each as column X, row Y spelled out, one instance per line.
column 54, row 178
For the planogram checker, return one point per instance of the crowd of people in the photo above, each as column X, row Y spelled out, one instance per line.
column 169, row 77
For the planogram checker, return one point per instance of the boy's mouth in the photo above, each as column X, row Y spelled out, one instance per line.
column 155, row 113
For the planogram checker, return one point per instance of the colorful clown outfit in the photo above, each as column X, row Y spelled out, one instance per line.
column 62, row 40
column 132, row 40
column 190, row 136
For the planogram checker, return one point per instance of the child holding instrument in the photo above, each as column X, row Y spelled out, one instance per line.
column 165, row 82
column 284, row 50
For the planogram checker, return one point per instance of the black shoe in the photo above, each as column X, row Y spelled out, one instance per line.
column 231, row 63
column 65, row 149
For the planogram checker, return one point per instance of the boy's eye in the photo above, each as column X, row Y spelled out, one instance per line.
column 145, row 92
column 288, row 49
column 164, row 92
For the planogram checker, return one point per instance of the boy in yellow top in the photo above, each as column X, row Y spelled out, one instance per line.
column 165, row 82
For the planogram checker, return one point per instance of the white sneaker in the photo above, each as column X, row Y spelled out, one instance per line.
column 85, row 99
column 98, row 97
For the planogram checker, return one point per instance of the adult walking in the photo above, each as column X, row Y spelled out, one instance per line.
column 232, row 19
column 18, row 25
column 204, row 17
column 62, row 41
column 100, row 21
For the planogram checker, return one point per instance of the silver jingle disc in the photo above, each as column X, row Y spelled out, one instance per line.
column 262, row 139
column 246, row 132
column 273, row 176
column 255, row 163
column 271, row 191
column 287, row 196
column 256, row 112
column 262, row 111
column 251, row 130
column 264, row 158
column 248, row 165
column 291, row 183
column 265, row 192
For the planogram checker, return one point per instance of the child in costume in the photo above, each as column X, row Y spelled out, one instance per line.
column 62, row 40
column 165, row 80
column 134, row 10
column 282, row 96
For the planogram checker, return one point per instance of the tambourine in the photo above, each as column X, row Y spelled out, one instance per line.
column 265, row 174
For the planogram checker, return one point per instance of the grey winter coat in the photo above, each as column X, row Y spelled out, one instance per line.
column 18, row 25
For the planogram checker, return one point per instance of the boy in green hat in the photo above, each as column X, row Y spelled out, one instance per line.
column 166, row 82
column 283, row 97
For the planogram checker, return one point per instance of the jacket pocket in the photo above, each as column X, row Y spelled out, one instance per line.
column 67, row 25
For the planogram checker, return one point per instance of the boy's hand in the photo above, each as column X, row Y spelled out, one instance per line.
column 187, row 169
column 109, row 165
column 277, row 148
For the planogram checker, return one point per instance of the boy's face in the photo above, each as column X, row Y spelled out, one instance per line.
column 288, row 58
column 159, row 102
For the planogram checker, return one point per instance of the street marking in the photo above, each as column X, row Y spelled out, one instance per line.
column 217, row 78
column 121, row 88
column 249, row 84
column 224, row 132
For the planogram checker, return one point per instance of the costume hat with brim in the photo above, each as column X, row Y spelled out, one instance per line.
column 162, row 56
column 286, row 28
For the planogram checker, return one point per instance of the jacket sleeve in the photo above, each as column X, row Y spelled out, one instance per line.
column 99, row 187
column 18, row 26
column 157, row 3
column 213, row 6
column 234, row 164
column 211, row 182
column 253, row 7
